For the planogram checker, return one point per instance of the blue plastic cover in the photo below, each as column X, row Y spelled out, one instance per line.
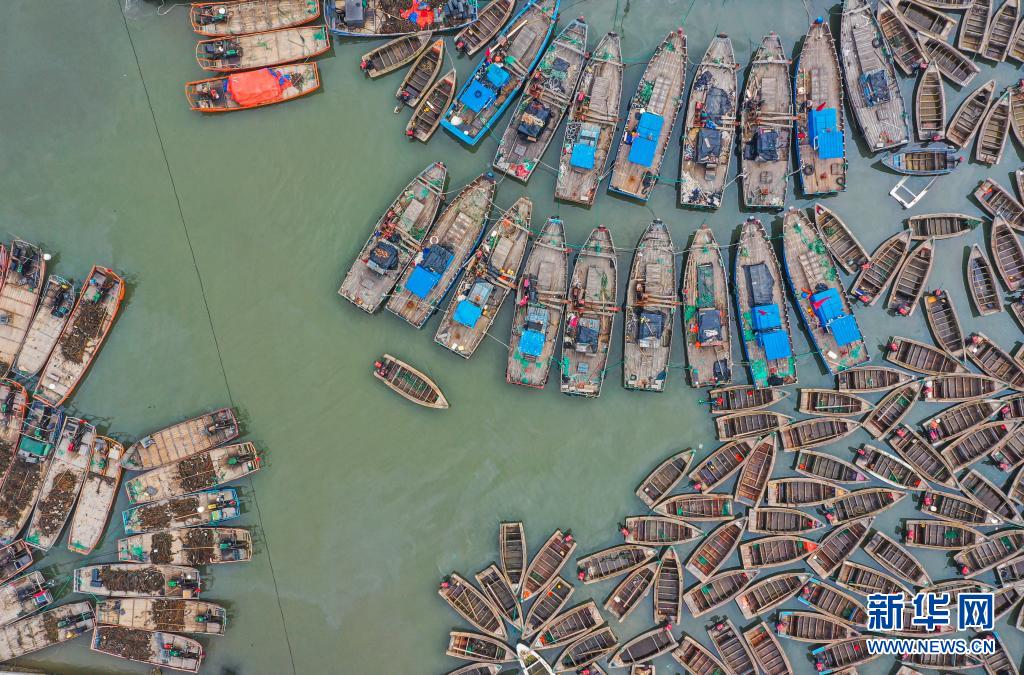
column 531, row 343
column 582, row 156
column 775, row 344
column 477, row 96
column 845, row 330
column 827, row 305
column 646, row 142
column 467, row 313
column 421, row 282
column 765, row 318
column 825, row 133
column 497, row 75
column 652, row 324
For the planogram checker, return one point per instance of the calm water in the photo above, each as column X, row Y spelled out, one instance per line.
column 234, row 248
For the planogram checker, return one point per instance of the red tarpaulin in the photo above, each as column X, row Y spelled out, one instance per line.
column 255, row 87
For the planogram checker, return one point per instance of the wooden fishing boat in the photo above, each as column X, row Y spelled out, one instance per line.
column 920, row 358
column 865, row 580
column 395, row 240
column 227, row 54
column 419, row 78
column 978, row 488
column 1000, row 31
column 207, row 470
column 1013, row 405
column 944, row 323
column 621, row 602
column 999, row 547
column 187, row 546
column 875, row 276
column 906, row 52
column 993, row 361
column 780, row 520
column 645, row 647
column 716, row 548
column 756, row 471
column 842, row 655
column 51, row 315
column 820, row 146
column 587, row 649
column 1011, row 574
column 649, row 119
column 720, row 465
column 941, row 662
column 800, row 492
column 252, row 88
column 888, row 468
column 540, row 303
column 923, row 159
column 773, row 551
column 550, row 600
column 37, row 632
column 838, row 545
column 717, row 590
column 167, row 650
column 590, row 128
column 870, row 379
column 846, row 250
column 540, row 109
column 24, row 596
column 612, row 562
column 477, row 647
column 761, row 309
column 513, row 549
column 181, row 616
column 69, row 462
column 99, row 491
column 1007, row 254
column 745, row 424
column 929, row 105
column 14, row 559
column 490, row 275
column 743, row 397
column 957, row 508
column 489, row 21
column 14, row 400
column 706, row 312
column 24, row 270
column 209, row 507
column 860, row 504
column 250, row 16
column 182, row 439
column 658, row 531
column 819, row 296
column 829, row 467
column 763, row 596
column 940, row 534
column 735, row 653
column 873, row 90
column 812, row 627
column 893, row 557
column 1002, row 661
column 454, row 236
column 590, row 316
column 973, row 438
column 1016, row 49
column 995, row 127
column 665, row 477
column 964, row 123
column 668, row 589
column 426, row 116
column 502, row 72
column 766, row 126
column 974, row 25
column 408, row 382
column 137, row 581
column 499, row 592
column 1009, row 453
column 833, row 602
column 965, row 417
column 82, row 337
column 911, row 279
column 981, row 283
column 919, row 453
column 953, row 64
column 381, row 18
column 394, row 54
column 650, row 311
column 546, row 565
column 768, row 654
column 568, row 626
column 40, row 430
column 997, row 201
column 696, row 507
column 815, row 432
column 708, row 132
column 696, row 658
column 832, row 403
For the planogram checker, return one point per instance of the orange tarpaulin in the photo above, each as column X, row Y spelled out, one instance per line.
column 256, row 87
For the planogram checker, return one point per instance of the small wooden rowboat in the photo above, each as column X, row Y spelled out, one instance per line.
column 781, row 520
column 137, row 581
column 650, row 311
column 715, row 549
column 250, row 16
column 549, row 560
column 711, row 594
column 993, row 361
column 940, row 534
column 771, row 659
column 513, row 553
column 812, row 627
column 1009, row 454
column 426, row 116
column 550, row 600
column 870, row 379
column 964, row 123
column 900, row 39
column 763, row 596
column 181, row 440
column 472, row 605
column 756, row 471
column 188, row 546
column 963, row 418
column 957, row 508
column 587, row 649
column 156, row 648
column 252, row 88
column 420, row 77
column 665, row 477
column 865, row 580
column 981, row 283
column 645, row 647
column 930, row 105
column 829, row 467
column 974, row 25
column 833, row 602
column 842, row 655
column 706, row 317
column 497, row 589
column 846, row 250
column 745, row 424
column 891, row 410
column 696, row 507
column 668, row 589
column 928, row 159
column 888, row 468
column 874, row 277
column 181, row 616
column 781, row 549
column 919, row 453
column 765, row 128
column 998, row 548
column 568, row 626
column 980, row 489
column 409, row 383
column 943, row 322
column 99, row 491
column 953, row 65
column 743, row 397
column 260, row 50
column 921, row 358
column 911, row 279
column 52, row 314
column 476, row 647
column 815, row 432
column 734, row 650
column 696, row 658
column 1010, row 574
column 861, row 504
column 921, row 17
column 1007, row 254
column 612, row 562
column 392, row 55
column 893, row 557
column 720, row 465
column 1000, row 31
column 995, row 127
column 997, row 201
column 489, row 21
column 36, row 632
column 941, row 662
column 201, row 472
column 631, row 591
column 831, row 403
column 838, row 545
column 801, row 492
column 940, row 225
column 658, row 531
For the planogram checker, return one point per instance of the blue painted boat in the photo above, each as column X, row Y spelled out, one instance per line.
column 819, row 296
column 502, row 72
column 208, row 507
column 364, row 18
column 931, row 159
column 819, row 139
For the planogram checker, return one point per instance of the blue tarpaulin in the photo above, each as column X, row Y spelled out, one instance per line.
column 531, row 343
column 827, row 305
column 825, row 134
column 765, row 317
column 467, row 313
column 775, row 344
column 845, row 330
column 497, row 75
column 582, row 156
column 421, row 282
column 476, row 97
column 646, row 142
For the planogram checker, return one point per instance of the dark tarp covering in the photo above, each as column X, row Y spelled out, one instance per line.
column 709, row 326
column 652, row 324
column 767, row 144
column 705, row 285
column 437, row 259
column 383, row 257
column 722, row 371
column 586, row 335
column 875, row 88
column 533, row 121
column 709, row 145
column 716, row 103
column 760, row 284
